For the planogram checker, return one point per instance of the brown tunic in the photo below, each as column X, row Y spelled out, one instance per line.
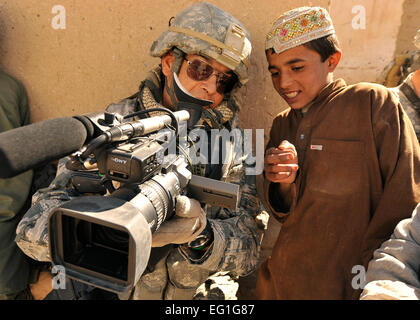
column 359, row 174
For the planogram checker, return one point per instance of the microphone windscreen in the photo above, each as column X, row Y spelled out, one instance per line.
column 29, row 146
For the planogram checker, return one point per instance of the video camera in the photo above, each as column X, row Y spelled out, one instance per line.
column 105, row 240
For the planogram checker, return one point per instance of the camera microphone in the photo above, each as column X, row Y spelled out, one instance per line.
column 36, row 144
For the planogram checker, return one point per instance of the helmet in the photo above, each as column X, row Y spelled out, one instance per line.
column 206, row 30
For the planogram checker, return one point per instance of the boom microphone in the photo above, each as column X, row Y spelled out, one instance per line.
column 29, row 146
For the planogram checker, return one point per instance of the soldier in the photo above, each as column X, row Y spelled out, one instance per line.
column 15, row 269
column 204, row 59
column 408, row 92
column 394, row 271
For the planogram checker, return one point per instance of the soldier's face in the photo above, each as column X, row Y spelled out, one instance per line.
column 199, row 86
column 299, row 75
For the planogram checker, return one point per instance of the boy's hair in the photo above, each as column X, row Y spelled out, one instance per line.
column 325, row 46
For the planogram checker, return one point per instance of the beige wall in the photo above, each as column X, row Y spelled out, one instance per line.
column 103, row 53
column 367, row 51
column 410, row 23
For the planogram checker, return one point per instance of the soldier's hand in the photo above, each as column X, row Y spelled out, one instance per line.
column 43, row 286
column 281, row 163
column 188, row 222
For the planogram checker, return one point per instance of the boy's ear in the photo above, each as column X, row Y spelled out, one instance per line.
column 333, row 61
column 167, row 61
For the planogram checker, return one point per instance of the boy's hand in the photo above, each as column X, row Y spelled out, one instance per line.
column 281, row 164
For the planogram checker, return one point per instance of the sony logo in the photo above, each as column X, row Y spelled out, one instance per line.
column 117, row 160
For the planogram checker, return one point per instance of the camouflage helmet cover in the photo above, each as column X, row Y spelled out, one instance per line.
column 206, row 30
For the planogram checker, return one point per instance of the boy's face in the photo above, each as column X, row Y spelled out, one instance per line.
column 299, row 75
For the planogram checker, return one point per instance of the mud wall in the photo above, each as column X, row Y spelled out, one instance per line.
column 101, row 54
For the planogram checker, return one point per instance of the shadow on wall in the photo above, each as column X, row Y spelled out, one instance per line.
column 410, row 23
column 2, row 35
column 406, row 56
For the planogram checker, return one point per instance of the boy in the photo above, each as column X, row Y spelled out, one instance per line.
column 341, row 167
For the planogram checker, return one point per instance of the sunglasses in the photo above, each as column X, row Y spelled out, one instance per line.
column 200, row 70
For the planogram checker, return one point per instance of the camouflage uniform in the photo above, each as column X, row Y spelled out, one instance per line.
column 172, row 273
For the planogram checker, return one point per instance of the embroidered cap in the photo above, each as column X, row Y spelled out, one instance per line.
column 417, row 39
column 298, row 26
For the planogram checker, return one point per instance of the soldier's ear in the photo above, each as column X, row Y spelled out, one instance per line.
column 168, row 60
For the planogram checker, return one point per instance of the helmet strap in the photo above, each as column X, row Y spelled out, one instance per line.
column 171, row 92
column 175, row 68
column 179, row 58
column 182, row 100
